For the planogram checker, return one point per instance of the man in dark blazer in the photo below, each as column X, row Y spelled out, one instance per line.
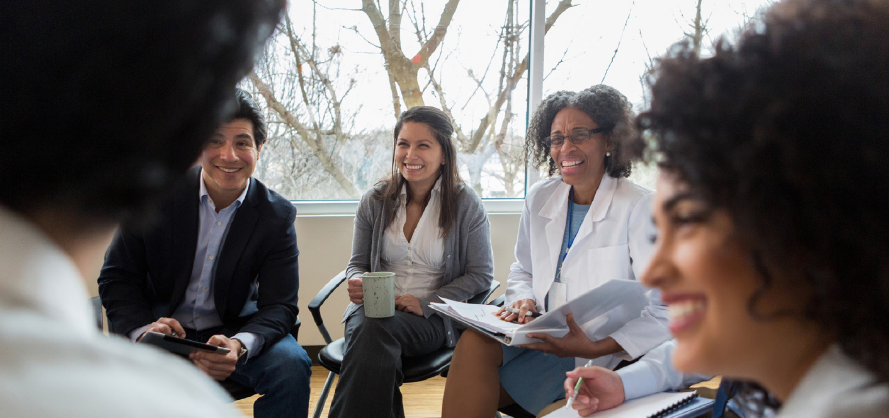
column 219, row 265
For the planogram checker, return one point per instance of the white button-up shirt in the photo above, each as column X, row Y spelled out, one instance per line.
column 54, row 361
column 418, row 264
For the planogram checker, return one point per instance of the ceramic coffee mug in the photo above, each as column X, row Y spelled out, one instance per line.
column 379, row 294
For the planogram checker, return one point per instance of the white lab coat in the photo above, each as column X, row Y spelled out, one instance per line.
column 614, row 242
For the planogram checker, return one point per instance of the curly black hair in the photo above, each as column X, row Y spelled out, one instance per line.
column 605, row 105
column 105, row 104
column 788, row 131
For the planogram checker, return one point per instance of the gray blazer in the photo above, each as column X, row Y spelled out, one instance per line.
column 469, row 261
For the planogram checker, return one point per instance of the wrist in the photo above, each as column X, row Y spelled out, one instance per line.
column 603, row 347
column 239, row 349
column 592, row 350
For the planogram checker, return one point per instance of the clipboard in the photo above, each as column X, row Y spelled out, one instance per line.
column 586, row 308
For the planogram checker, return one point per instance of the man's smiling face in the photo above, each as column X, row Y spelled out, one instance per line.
column 229, row 158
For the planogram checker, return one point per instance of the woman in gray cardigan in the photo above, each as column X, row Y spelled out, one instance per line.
column 429, row 228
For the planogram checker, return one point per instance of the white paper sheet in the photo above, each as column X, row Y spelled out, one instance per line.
column 481, row 315
column 586, row 308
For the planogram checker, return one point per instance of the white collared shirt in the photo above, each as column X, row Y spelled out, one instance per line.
column 837, row 386
column 418, row 264
column 55, row 362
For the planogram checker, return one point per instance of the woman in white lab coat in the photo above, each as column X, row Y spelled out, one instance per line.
column 578, row 230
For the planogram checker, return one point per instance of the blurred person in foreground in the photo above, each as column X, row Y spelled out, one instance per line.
column 105, row 105
column 772, row 249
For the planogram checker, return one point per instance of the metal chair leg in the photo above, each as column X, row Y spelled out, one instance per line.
column 323, row 398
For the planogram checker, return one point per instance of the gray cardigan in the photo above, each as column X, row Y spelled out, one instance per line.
column 469, row 261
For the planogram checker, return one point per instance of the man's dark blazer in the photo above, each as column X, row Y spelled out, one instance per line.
column 147, row 270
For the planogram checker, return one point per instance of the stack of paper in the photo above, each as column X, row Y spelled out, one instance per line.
column 586, row 308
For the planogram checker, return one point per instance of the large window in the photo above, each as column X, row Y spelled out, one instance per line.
column 336, row 76
column 338, row 72
column 616, row 43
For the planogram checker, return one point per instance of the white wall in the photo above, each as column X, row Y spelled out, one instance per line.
column 325, row 244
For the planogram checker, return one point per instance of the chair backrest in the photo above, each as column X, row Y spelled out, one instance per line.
column 499, row 301
column 484, row 295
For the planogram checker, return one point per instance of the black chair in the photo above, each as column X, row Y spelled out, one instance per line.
column 414, row 369
column 234, row 389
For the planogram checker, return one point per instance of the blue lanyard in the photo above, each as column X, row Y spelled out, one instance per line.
column 568, row 231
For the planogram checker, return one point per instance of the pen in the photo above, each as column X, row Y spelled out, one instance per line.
column 532, row 314
column 577, row 387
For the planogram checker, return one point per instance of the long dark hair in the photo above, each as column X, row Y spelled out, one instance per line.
column 441, row 126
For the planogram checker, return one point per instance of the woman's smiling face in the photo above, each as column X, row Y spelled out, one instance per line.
column 418, row 154
column 707, row 277
column 578, row 163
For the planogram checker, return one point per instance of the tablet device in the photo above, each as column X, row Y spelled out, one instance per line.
column 179, row 345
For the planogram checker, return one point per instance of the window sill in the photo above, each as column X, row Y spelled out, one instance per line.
column 319, row 208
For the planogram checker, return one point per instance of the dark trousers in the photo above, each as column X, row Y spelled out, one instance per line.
column 371, row 372
column 280, row 374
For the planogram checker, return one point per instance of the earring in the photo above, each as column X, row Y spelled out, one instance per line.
column 608, row 154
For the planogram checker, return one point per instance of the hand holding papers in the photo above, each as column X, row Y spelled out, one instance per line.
column 586, row 308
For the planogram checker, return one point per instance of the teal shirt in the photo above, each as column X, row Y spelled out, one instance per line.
column 577, row 215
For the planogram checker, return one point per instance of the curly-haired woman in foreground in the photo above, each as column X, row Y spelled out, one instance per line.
column 773, row 242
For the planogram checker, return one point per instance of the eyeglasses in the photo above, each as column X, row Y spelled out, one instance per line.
column 576, row 137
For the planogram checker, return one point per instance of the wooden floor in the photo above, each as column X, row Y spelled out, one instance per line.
column 421, row 399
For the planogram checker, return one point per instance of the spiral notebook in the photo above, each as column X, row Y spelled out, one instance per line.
column 658, row 405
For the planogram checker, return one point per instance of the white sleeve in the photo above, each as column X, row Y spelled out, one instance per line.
column 646, row 332
column 136, row 333
column 252, row 342
column 519, row 282
column 654, row 373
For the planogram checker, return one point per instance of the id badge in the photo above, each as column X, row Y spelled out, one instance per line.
column 558, row 295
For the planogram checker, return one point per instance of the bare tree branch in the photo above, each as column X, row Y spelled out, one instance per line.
column 516, row 76
column 444, row 105
column 318, row 3
column 369, row 42
column 395, row 23
column 698, row 30
column 619, row 41
column 317, row 148
column 440, row 30
column 396, row 102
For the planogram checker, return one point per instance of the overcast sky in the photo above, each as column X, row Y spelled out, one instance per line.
column 584, row 38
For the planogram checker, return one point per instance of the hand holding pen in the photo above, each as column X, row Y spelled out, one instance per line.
column 592, row 388
column 521, row 311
